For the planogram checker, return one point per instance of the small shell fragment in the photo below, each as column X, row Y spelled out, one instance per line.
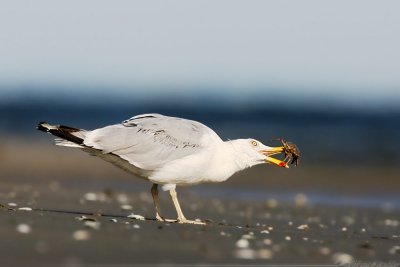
column 302, row 227
column 25, row 209
column 136, row 217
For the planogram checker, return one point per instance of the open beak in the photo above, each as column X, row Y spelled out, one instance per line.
column 272, row 151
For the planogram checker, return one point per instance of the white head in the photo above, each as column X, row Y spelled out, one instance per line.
column 250, row 152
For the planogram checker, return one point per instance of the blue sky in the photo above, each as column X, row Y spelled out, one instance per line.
column 332, row 49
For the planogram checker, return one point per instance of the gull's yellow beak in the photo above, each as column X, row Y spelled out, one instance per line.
column 272, row 151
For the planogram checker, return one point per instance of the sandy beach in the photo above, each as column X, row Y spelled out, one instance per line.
column 70, row 209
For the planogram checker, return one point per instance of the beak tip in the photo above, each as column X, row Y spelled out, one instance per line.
column 284, row 165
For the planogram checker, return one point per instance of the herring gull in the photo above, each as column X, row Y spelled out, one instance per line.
column 167, row 151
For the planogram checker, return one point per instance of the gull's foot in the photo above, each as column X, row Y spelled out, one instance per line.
column 162, row 219
column 191, row 221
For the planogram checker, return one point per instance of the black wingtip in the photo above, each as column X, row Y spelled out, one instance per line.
column 41, row 127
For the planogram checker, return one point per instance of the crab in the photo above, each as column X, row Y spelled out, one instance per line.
column 292, row 152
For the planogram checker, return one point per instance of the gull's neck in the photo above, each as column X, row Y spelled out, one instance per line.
column 226, row 159
column 240, row 158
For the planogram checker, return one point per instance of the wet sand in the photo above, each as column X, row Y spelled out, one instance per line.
column 79, row 226
column 80, row 208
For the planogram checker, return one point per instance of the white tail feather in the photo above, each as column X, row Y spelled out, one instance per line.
column 62, row 142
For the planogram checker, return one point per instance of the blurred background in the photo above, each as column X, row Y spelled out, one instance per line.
column 324, row 75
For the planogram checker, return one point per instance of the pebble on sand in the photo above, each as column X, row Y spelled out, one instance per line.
column 342, row 258
column 24, row 228
column 91, row 196
column 242, row 243
column 81, row 235
column 126, row 207
column 325, row 250
column 92, row 225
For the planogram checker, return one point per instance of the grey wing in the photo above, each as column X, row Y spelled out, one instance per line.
column 149, row 141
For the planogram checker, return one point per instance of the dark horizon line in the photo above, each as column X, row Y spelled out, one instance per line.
column 199, row 99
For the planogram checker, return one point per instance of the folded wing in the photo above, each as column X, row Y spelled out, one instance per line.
column 150, row 141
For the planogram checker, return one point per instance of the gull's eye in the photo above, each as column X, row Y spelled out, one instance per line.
column 254, row 143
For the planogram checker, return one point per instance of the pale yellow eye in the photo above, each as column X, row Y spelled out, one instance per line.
column 254, row 143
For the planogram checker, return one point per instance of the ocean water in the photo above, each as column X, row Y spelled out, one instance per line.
column 323, row 135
